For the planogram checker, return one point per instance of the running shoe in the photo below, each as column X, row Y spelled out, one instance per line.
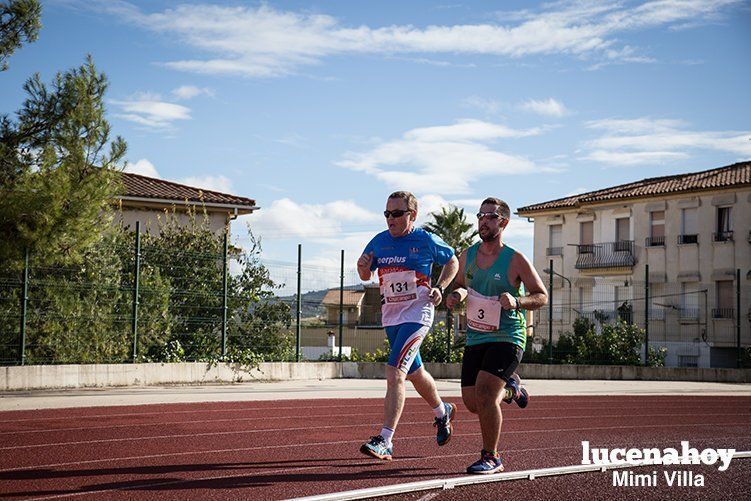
column 377, row 448
column 519, row 392
column 488, row 463
column 443, row 435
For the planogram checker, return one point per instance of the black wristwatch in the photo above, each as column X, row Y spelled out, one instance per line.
column 440, row 289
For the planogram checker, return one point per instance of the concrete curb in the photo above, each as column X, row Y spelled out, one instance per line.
column 38, row 377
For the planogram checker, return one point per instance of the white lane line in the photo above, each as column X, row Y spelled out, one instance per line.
column 378, row 404
column 274, row 430
column 282, row 446
column 329, row 415
column 451, row 480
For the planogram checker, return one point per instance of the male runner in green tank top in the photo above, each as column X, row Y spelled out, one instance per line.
column 490, row 277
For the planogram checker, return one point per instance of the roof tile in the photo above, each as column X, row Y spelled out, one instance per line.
column 735, row 175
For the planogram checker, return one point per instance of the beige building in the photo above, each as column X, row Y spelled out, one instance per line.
column 146, row 198
column 693, row 231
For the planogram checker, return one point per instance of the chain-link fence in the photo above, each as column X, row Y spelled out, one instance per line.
column 680, row 324
column 156, row 299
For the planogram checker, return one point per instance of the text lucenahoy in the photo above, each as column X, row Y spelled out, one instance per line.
column 668, row 456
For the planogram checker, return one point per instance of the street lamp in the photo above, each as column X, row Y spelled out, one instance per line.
column 550, row 271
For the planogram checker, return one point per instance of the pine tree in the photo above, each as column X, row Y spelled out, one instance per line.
column 19, row 23
column 56, row 179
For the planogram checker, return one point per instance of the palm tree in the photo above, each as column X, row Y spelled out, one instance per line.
column 452, row 226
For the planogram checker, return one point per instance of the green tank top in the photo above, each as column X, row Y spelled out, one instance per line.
column 494, row 282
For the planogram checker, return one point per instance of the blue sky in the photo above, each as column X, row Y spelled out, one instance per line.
column 318, row 110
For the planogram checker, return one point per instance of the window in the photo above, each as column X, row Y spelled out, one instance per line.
column 586, row 237
column 656, row 229
column 658, row 304
column 555, row 247
column 689, row 227
column 622, row 229
column 724, row 230
column 690, row 301
column 724, row 299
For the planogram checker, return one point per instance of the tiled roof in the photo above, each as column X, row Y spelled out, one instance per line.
column 149, row 187
column 735, row 175
column 351, row 298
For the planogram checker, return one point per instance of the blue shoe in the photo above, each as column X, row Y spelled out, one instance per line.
column 487, row 464
column 519, row 392
column 443, row 435
column 376, row 447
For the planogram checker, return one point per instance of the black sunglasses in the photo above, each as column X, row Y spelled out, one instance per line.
column 491, row 215
column 395, row 213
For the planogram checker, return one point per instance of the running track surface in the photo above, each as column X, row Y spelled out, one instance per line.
column 287, row 449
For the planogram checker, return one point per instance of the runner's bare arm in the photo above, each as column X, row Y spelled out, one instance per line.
column 363, row 267
column 444, row 280
column 537, row 294
column 460, row 292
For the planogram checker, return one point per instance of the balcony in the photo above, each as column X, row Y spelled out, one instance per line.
column 688, row 239
column 654, row 242
column 605, row 255
column 722, row 236
column 723, row 312
column 554, row 251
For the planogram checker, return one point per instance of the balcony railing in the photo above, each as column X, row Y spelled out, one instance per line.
column 689, row 313
column 722, row 236
column 555, row 251
column 605, row 255
column 654, row 242
column 688, row 239
column 723, row 312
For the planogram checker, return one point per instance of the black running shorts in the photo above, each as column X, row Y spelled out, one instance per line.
column 499, row 359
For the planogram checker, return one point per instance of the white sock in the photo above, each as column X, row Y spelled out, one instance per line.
column 440, row 411
column 387, row 434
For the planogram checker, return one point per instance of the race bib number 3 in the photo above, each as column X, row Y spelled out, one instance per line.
column 400, row 286
column 483, row 312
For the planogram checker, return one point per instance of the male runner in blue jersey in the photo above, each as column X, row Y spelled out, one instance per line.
column 490, row 277
column 403, row 256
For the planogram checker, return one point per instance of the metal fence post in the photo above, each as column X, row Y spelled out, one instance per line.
column 24, row 305
column 224, row 295
column 299, row 302
column 136, row 279
column 550, row 316
column 449, row 321
column 646, row 315
column 739, row 362
column 341, row 309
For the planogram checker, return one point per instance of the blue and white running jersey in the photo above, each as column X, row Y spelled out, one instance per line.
column 404, row 265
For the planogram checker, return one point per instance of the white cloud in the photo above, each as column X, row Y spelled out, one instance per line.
column 265, row 42
column 648, row 141
column 211, row 183
column 549, row 107
column 287, row 219
column 150, row 111
column 489, row 106
column 185, row 92
column 142, row 167
column 442, row 159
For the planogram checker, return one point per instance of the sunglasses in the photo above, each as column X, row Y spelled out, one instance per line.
column 491, row 215
column 395, row 213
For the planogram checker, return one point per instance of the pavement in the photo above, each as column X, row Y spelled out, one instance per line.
column 334, row 388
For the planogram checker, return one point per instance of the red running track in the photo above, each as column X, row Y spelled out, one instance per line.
column 287, row 449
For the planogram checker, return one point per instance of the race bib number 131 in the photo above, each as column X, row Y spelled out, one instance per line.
column 400, row 286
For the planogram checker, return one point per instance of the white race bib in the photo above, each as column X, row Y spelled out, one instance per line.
column 400, row 286
column 483, row 312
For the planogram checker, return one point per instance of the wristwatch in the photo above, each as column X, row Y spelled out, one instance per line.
column 440, row 289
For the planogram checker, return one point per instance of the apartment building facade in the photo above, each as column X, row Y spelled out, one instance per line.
column 692, row 232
